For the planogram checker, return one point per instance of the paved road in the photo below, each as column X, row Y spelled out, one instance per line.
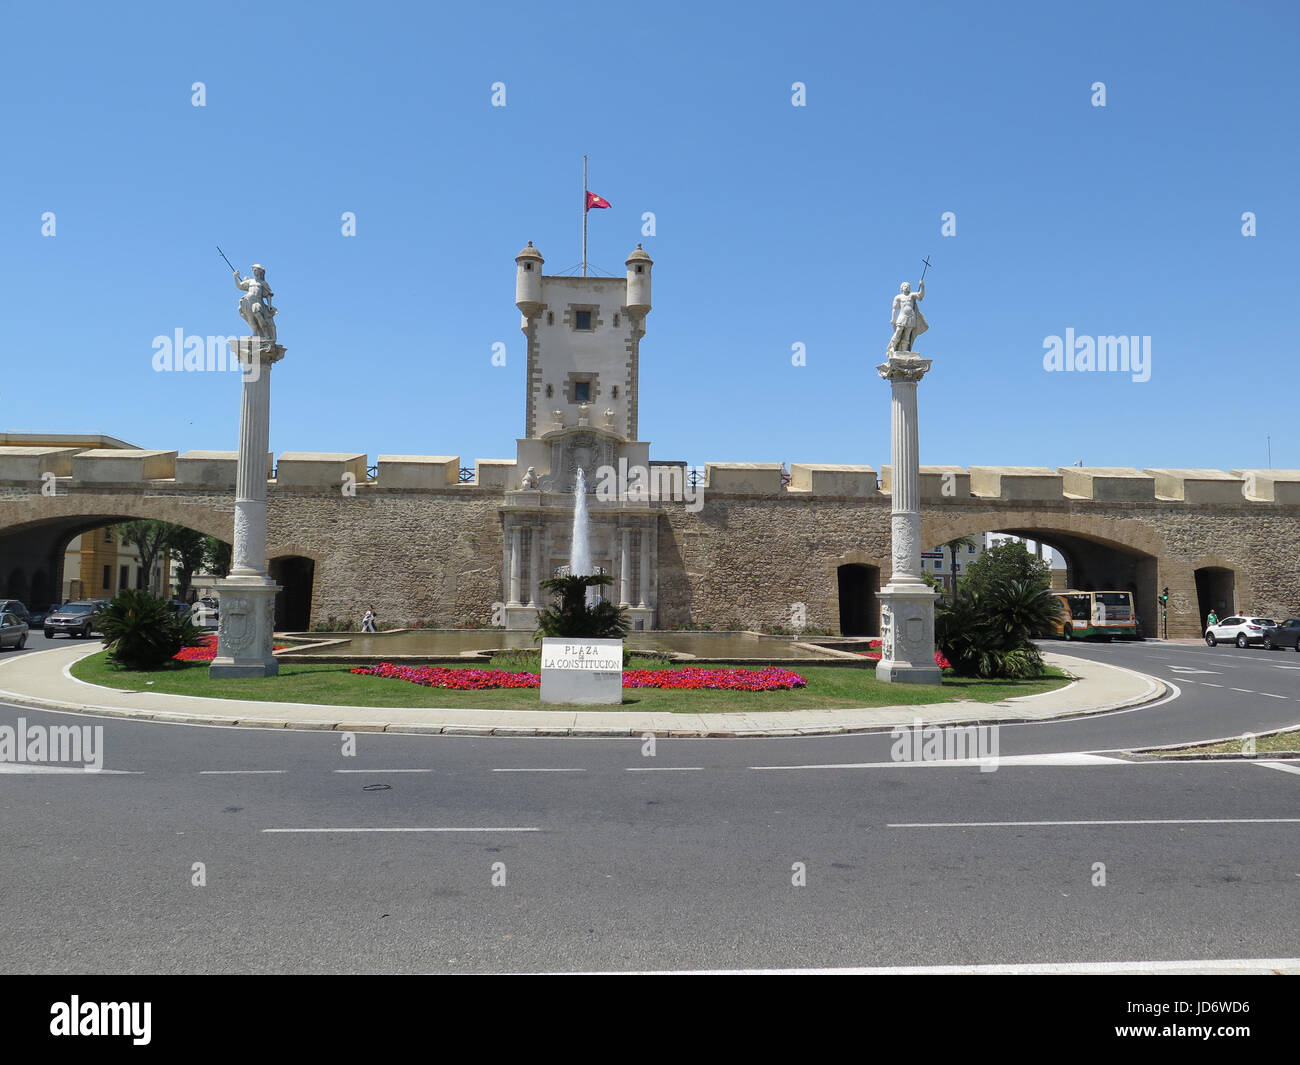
column 616, row 860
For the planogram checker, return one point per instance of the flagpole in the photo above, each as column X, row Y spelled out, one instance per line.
column 584, row 216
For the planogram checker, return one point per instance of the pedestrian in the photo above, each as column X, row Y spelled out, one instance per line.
column 1212, row 619
column 368, row 620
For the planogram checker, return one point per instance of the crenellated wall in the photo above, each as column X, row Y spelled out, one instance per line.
column 764, row 548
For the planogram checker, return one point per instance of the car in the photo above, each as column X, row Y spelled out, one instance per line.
column 1241, row 629
column 13, row 631
column 75, row 619
column 1285, row 634
column 36, row 619
column 14, row 607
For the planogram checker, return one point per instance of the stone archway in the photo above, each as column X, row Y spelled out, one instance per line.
column 857, row 584
column 1216, row 589
column 295, row 574
column 1100, row 553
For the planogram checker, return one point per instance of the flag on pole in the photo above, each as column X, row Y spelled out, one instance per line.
column 596, row 201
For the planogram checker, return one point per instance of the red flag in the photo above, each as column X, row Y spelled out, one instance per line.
column 596, row 201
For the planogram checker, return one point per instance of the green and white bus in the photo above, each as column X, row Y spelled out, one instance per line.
column 1104, row 614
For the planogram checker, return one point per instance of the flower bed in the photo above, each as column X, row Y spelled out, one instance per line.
column 770, row 678
column 939, row 660
column 205, row 651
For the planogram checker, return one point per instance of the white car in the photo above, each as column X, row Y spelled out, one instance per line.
column 1239, row 629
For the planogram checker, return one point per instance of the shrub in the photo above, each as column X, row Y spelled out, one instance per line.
column 142, row 631
column 572, row 615
column 988, row 633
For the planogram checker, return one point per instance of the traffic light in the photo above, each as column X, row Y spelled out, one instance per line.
column 1164, row 596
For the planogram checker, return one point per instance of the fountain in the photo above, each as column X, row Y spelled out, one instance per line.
column 580, row 555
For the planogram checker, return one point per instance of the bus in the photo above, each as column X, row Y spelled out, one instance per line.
column 1104, row 614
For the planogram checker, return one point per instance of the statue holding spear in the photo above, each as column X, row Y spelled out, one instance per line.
column 255, row 305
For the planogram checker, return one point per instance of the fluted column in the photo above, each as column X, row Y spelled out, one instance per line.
column 515, row 552
column 907, row 603
column 625, row 567
column 534, row 564
column 246, row 631
column 644, row 583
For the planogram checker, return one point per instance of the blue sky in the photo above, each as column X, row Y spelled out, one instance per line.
column 776, row 224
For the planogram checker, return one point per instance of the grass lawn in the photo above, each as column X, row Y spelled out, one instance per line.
column 1276, row 742
column 829, row 687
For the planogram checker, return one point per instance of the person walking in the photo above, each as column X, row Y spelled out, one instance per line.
column 1211, row 619
column 368, row 620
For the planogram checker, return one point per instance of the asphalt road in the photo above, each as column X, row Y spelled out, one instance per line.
column 615, row 860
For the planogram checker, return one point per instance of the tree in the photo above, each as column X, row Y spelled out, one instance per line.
column 953, row 547
column 1006, row 563
column 189, row 549
column 216, row 556
column 572, row 615
column 990, row 633
column 150, row 539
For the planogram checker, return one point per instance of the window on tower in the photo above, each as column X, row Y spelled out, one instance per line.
column 582, row 320
column 582, row 390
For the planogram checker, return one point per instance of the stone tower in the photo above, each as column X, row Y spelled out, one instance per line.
column 584, row 336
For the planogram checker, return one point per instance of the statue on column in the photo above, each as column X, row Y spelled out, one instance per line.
column 906, row 317
column 255, row 305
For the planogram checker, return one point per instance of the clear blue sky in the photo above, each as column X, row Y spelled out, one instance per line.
column 776, row 224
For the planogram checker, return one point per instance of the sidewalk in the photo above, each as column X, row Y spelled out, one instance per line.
column 42, row 681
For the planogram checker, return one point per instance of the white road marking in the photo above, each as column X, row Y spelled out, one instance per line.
column 1238, row 966
column 1007, row 760
column 539, row 770
column 1048, row 824
column 1286, row 667
column 237, row 772
column 383, row 770
column 665, row 768
column 1286, row 767
column 1246, row 690
column 1189, row 669
column 1272, row 696
column 28, row 769
column 401, row 830
column 1209, row 685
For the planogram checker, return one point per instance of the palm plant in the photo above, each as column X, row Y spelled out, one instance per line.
column 988, row 634
column 142, row 631
column 572, row 615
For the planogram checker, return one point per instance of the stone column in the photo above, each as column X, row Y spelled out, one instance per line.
column 906, row 602
column 644, row 584
column 515, row 553
column 625, row 567
column 535, row 565
column 245, row 633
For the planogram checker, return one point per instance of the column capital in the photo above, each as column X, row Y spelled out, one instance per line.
column 256, row 351
column 904, row 367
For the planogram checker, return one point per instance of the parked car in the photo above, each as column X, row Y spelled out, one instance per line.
column 1240, row 629
column 1286, row 634
column 36, row 619
column 75, row 619
column 13, row 606
column 13, row 631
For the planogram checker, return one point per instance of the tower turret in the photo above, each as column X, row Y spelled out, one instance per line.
column 528, row 281
column 638, row 282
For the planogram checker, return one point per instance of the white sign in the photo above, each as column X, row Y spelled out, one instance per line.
column 599, row 656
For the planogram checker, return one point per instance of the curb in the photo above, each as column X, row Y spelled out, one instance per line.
column 1156, row 690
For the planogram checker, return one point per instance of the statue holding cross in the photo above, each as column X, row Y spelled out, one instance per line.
column 906, row 317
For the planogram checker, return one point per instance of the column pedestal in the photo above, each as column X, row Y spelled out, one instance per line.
column 906, row 602
column 246, row 630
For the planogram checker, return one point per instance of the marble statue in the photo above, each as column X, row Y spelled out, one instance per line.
column 906, row 317
column 255, row 305
column 530, row 479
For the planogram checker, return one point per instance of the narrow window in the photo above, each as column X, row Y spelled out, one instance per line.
column 616, row 321
column 550, row 391
column 550, row 317
column 614, row 392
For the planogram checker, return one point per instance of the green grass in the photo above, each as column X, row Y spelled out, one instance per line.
column 1273, row 743
column 333, row 685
